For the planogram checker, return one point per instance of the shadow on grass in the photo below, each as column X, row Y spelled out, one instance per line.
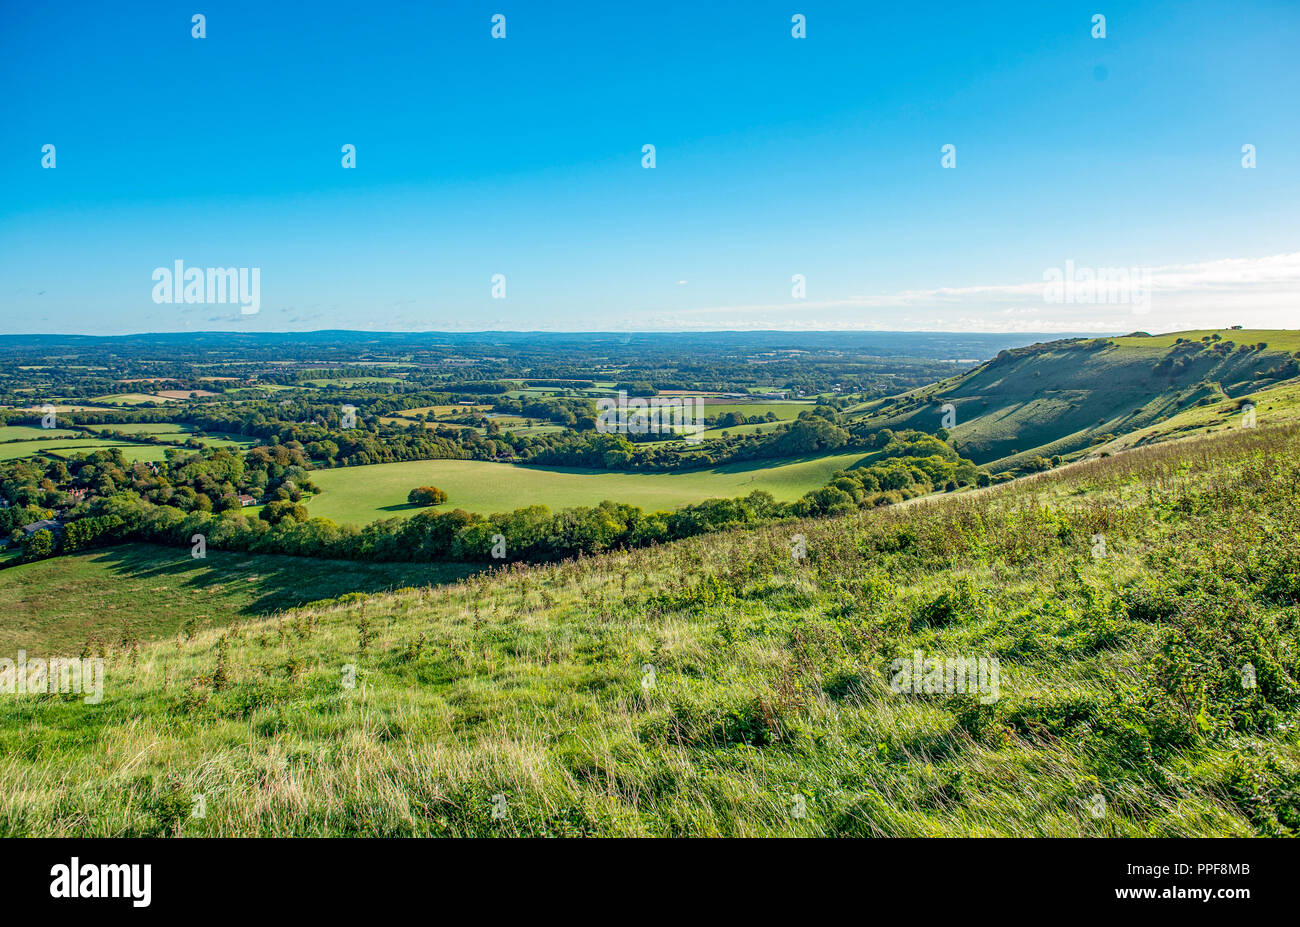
column 257, row 584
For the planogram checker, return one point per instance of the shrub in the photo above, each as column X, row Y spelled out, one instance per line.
column 426, row 495
column 39, row 545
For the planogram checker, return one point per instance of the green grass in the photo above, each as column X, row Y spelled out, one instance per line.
column 359, row 495
column 146, row 592
column 63, row 448
column 132, row 452
column 443, row 410
column 720, row 687
column 761, row 428
column 1278, row 339
column 1278, row 405
column 146, row 428
column 16, row 432
column 785, row 411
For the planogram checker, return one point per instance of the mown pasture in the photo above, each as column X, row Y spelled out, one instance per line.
column 358, row 495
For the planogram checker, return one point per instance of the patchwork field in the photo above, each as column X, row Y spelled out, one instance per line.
column 358, row 495
column 144, row 592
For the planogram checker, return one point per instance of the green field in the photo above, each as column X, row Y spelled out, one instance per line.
column 711, row 687
column 17, row 432
column 178, row 433
column 436, row 411
column 359, row 495
column 147, row 592
column 145, row 428
column 785, row 411
column 761, row 428
column 65, row 449
column 40, row 440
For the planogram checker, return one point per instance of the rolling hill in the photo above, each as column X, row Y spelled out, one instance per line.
column 1142, row 610
column 1063, row 397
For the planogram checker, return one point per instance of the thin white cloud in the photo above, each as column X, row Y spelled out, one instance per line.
column 1259, row 292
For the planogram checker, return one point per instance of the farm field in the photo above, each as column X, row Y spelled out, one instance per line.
column 130, row 399
column 760, row 428
column 16, row 432
column 146, row 592
column 182, row 393
column 145, row 428
column 15, row 449
column 783, row 410
column 435, row 411
column 131, row 452
column 359, row 495
column 25, row 440
column 530, row 429
column 177, row 433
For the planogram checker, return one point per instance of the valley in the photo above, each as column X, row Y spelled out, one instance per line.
column 626, row 634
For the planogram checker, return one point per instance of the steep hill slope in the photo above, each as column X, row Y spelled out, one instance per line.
column 1273, row 405
column 1143, row 610
column 1062, row 397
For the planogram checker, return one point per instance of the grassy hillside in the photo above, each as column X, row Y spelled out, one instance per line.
column 1063, row 397
column 140, row 592
column 359, row 495
column 1275, row 405
column 721, row 686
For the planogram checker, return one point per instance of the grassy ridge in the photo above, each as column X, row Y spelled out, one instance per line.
column 1063, row 397
column 720, row 686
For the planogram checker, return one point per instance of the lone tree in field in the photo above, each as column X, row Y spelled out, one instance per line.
column 426, row 495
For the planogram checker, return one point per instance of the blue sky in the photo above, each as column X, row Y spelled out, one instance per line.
column 775, row 156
